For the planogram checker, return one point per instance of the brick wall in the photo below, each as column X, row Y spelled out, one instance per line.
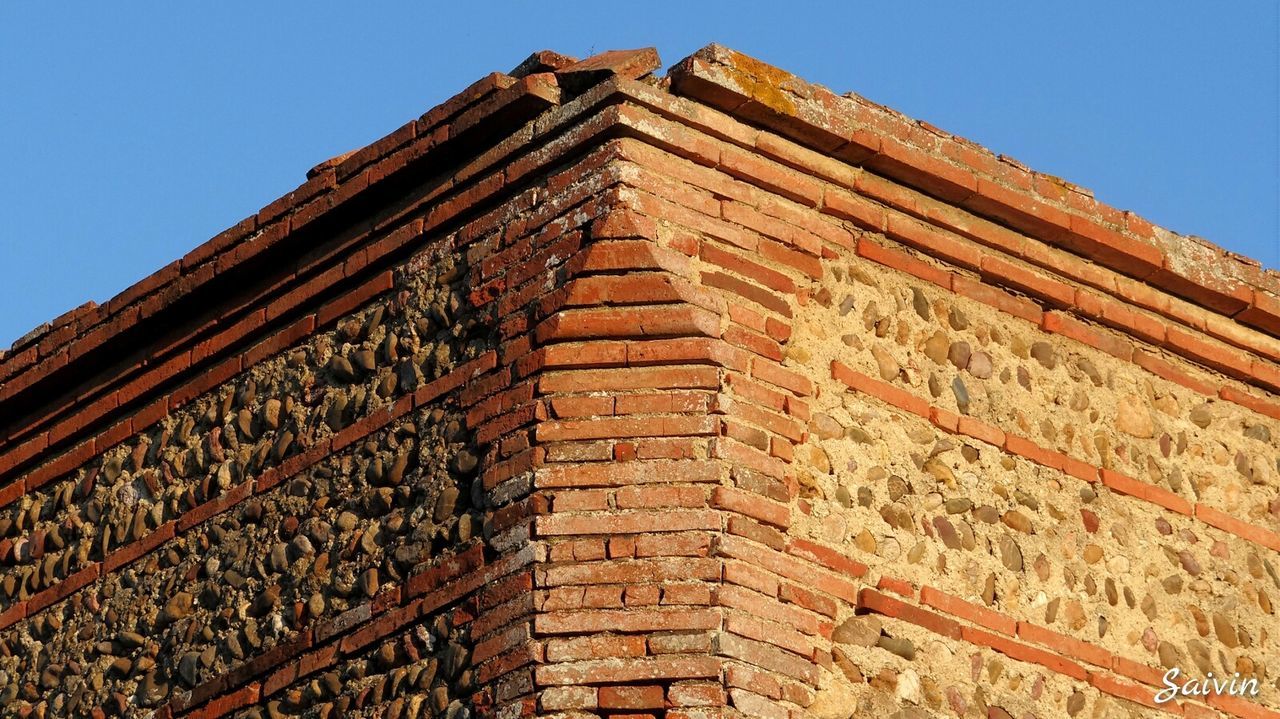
column 592, row 393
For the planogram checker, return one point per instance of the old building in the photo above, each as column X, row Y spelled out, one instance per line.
column 601, row 392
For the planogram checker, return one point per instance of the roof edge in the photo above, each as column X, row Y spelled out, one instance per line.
column 856, row 130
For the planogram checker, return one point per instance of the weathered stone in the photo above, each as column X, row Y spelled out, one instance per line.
column 341, row 369
column 897, row 488
column 897, row 645
column 1201, row 415
column 1225, row 632
column 179, row 606
column 1189, row 563
column 1260, row 432
column 865, row 541
column 937, row 347
column 861, row 631
column 920, row 303
column 130, row 640
column 987, row 514
column 1044, row 353
column 962, row 395
column 1090, row 520
column 1010, row 553
column 980, row 365
column 369, row 582
column 958, row 354
column 279, row 558
column 885, row 363
column 1133, row 417
column 271, row 414
column 189, row 668
column 1017, row 521
column 946, row 532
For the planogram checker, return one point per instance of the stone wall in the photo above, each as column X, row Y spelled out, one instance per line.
column 601, row 394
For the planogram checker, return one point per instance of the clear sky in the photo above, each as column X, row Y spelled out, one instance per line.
column 132, row 132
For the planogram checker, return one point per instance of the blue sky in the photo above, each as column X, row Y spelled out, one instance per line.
column 131, row 132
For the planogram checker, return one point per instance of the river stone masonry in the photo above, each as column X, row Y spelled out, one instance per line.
column 598, row 392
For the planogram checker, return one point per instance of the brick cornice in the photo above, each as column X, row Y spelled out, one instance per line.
column 917, row 154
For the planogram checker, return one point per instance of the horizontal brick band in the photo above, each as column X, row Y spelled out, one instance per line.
column 1023, row 447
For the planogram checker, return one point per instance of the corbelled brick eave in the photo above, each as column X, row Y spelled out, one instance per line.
column 918, row 154
column 294, row 248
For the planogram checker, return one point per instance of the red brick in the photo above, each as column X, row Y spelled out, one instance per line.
column 771, row 176
column 659, row 321
column 901, row 587
column 639, row 472
column 630, row 289
column 594, row 646
column 779, row 635
column 756, row 532
column 1254, row 403
column 736, row 500
column 883, row 391
column 934, row 242
column 215, row 506
column 14, row 614
column 879, row 603
column 1215, row 354
column 135, row 550
column 1240, row 707
column 1063, row 644
column 608, row 671
column 1125, row 484
column 1233, row 525
column 859, row 210
column 981, row 431
column 228, row 703
column 970, row 612
column 901, row 261
column 1135, row 670
column 1080, row 470
column 64, row 588
column 997, row 298
column 1028, row 280
column 656, row 496
column 795, row 568
column 930, row 173
column 830, row 558
column 1140, row 695
column 1067, row 326
column 624, row 427
column 1126, row 254
column 1034, row 452
column 696, row 695
column 1020, row 210
column 1024, row 653
column 765, row 298
column 627, row 522
column 631, row 697
column 814, row 602
column 1121, row 316
column 353, row 299
column 1263, row 312
column 1167, row 370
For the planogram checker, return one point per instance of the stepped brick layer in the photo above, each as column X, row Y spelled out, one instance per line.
column 594, row 393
